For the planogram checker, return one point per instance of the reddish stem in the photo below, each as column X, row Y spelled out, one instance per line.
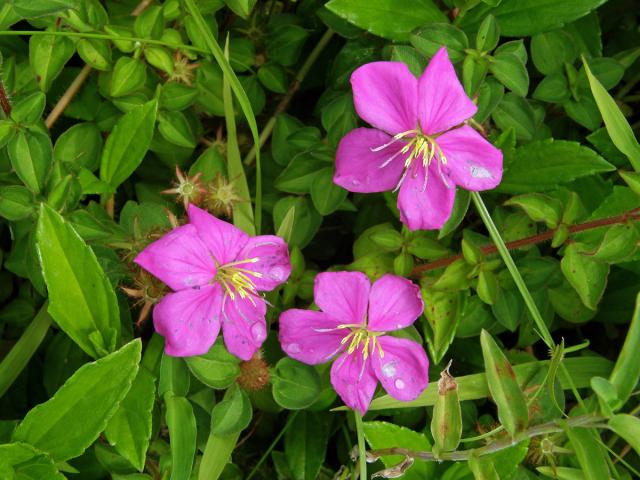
column 4, row 100
column 532, row 240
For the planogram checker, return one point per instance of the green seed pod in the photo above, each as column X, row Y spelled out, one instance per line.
column 446, row 423
column 507, row 394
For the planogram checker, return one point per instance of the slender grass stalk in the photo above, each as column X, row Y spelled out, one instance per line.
column 273, row 444
column 362, row 449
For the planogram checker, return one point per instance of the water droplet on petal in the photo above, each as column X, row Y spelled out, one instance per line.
column 258, row 332
column 389, row 370
column 480, row 172
column 399, row 384
column 293, row 348
column 276, row 273
column 355, row 182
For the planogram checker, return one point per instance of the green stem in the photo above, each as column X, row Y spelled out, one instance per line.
column 543, row 331
column 362, row 449
column 23, row 350
column 100, row 36
column 556, row 426
column 273, row 444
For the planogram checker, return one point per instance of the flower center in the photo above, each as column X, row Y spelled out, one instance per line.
column 418, row 145
column 237, row 280
column 359, row 334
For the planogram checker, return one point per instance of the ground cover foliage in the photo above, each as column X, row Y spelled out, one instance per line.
column 117, row 114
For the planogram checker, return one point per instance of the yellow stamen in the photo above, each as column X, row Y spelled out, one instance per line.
column 360, row 335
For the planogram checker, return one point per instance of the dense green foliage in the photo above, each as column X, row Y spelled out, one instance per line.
column 530, row 289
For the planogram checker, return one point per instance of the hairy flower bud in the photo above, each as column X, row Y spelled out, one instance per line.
column 221, row 196
column 188, row 189
column 254, row 373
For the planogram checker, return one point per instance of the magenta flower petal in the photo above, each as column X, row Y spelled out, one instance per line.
column 360, row 169
column 403, row 370
column 343, row 295
column 272, row 263
column 394, row 303
column 179, row 259
column 309, row 336
column 384, row 94
column 354, row 380
column 426, row 207
column 442, row 102
column 472, row 162
column 189, row 320
column 244, row 327
column 223, row 240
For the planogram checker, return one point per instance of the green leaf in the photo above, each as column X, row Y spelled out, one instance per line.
column 438, row 35
column 539, row 207
column 65, row 425
column 326, row 195
column 626, row 372
column 129, row 75
column 217, row 368
column 591, row 456
column 175, row 128
column 544, row 164
column 31, row 157
column 442, row 311
column 617, row 126
column 551, row 50
column 182, row 432
column 16, row 202
column 80, row 146
column 129, row 430
column 233, row 414
column 29, row 109
column 527, row 17
column 305, row 444
column 509, row 69
column 96, row 53
column 587, row 276
column 515, row 112
column 241, row 7
column 628, row 428
column 374, row 15
column 38, row 8
column 295, row 385
column 388, row 435
column 48, row 55
column 81, row 299
column 174, row 376
column 128, row 143
column 216, row 455
column 305, row 224
column 23, row 462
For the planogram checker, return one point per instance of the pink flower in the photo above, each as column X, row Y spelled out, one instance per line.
column 417, row 145
column 352, row 324
column 216, row 272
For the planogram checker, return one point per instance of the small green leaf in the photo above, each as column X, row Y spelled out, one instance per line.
column 81, row 299
column 31, row 157
column 48, row 55
column 16, row 202
column 539, row 208
column 617, row 126
column 129, row 430
column 94, row 52
column 628, row 428
column 442, row 311
column 551, row 50
column 29, row 109
column 586, row 275
column 182, row 432
column 374, row 15
column 326, row 195
column 65, row 425
column 586, row 445
column 556, row 162
column 22, row 461
column 626, row 371
column 128, row 143
column 305, row 444
column 233, row 414
column 217, row 368
column 438, row 35
column 511, row 72
column 295, row 385
column 175, row 128
column 129, row 74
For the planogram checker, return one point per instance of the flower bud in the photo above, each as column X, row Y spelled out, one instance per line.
column 503, row 385
column 446, row 423
column 254, row 373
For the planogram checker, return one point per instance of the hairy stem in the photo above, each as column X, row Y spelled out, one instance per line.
column 293, row 88
column 5, row 103
column 555, row 426
column 633, row 215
